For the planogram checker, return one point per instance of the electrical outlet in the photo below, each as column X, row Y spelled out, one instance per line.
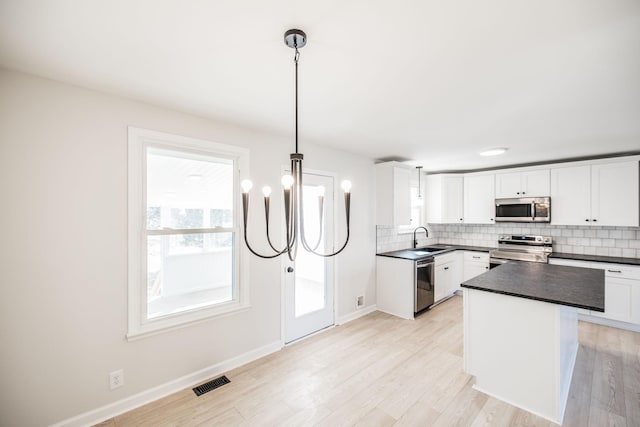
column 116, row 379
column 360, row 301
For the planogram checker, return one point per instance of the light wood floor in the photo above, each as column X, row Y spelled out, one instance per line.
column 383, row 371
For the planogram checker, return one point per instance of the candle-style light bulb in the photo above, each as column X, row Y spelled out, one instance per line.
column 266, row 190
column 346, row 186
column 246, row 185
column 287, row 181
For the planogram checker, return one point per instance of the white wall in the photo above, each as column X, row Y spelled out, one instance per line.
column 63, row 251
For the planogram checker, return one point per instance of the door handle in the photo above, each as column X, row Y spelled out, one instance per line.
column 289, row 269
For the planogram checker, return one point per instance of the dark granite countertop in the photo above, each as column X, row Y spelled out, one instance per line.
column 557, row 284
column 416, row 255
column 597, row 258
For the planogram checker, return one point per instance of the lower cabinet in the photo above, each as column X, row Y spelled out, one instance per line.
column 395, row 279
column 448, row 268
column 395, row 286
column 621, row 290
column 475, row 263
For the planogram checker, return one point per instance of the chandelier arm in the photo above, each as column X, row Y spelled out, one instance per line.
column 298, row 177
column 303, row 236
column 266, row 215
column 292, row 243
column 245, row 212
column 321, row 221
column 290, row 221
column 347, row 210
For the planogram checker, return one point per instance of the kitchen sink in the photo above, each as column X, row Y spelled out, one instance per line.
column 428, row 250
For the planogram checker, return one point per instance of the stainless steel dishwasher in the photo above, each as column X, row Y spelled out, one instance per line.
column 424, row 287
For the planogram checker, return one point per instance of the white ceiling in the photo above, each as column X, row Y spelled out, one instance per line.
column 430, row 81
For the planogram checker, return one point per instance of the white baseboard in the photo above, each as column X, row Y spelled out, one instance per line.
column 356, row 314
column 111, row 410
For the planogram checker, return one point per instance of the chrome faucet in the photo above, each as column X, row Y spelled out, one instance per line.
column 415, row 241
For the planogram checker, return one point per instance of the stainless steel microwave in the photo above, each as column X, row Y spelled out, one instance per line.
column 524, row 209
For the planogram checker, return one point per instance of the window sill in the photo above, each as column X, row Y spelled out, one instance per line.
column 179, row 321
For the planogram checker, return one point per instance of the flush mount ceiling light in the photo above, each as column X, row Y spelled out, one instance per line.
column 292, row 184
column 493, row 151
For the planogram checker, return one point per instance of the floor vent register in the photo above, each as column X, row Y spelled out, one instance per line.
column 211, row 385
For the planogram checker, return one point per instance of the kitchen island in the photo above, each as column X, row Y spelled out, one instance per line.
column 521, row 332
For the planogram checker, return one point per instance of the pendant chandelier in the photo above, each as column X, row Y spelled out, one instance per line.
column 293, row 189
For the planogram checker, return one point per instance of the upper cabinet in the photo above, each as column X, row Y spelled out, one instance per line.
column 479, row 199
column 533, row 183
column 393, row 194
column 444, row 199
column 601, row 194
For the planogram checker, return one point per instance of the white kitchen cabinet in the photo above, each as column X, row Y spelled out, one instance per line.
column 615, row 196
column 447, row 276
column 621, row 292
column 479, row 199
column 395, row 286
column 534, row 183
column 393, row 194
column 474, row 264
column 444, row 199
column 443, row 281
column 603, row 194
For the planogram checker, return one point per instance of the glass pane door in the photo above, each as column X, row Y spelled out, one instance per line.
column 309, row 280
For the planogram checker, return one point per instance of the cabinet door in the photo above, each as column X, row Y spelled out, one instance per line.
column 479, row 199
column 508, row 185
column 614, row 194
column 452, row 199
column 473, row 269
column 535, row 183
column 618, row 299
column 571, row 195
column 401, row 196
column 443, row 281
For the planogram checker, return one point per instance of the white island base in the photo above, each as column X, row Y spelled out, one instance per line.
column 521, row 351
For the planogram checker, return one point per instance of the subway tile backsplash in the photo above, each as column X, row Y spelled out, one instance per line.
column 605, row 241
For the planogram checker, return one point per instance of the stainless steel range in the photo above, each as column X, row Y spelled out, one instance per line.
column 515, row 248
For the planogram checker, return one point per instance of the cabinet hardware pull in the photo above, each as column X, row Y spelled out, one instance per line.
column 523, row 192
column 614, row 271
column 594, row 220
column 446, row 268
column 475, row 257
column 587, row 220
column 518, row 192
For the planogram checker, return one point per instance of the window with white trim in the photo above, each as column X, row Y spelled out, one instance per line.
column 184, row 247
